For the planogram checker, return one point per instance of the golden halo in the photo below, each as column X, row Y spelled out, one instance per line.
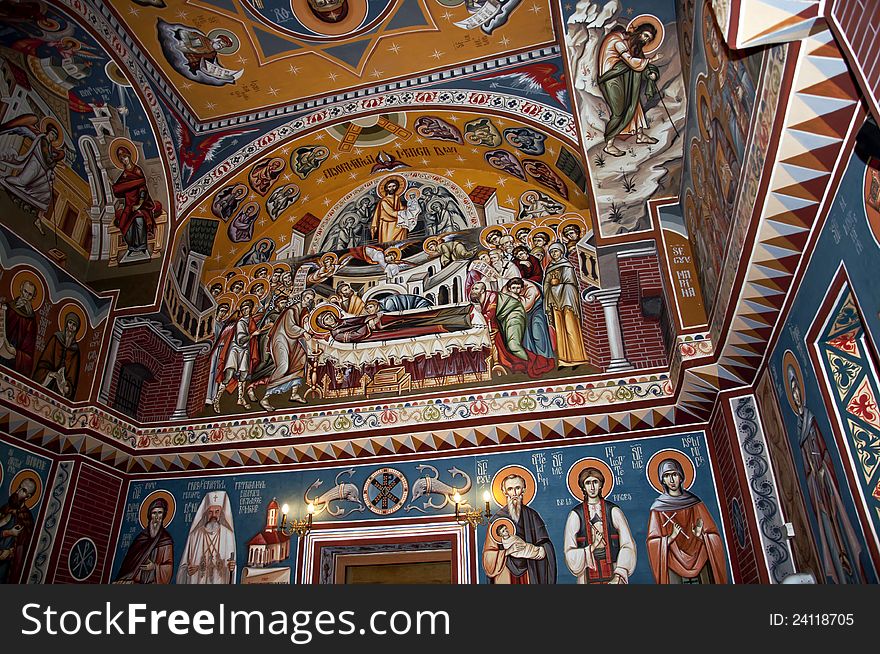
column 317, row 312
column 145, row 505
column 431, row 239
column 244, row 279
column 114, row 74
column 28, row 473
column 713, row 58
column 652, row 45
column 227, row 298
column 653, row 467
column 380, row 189
column 26, row 275
column 236, row 42
column 66, row 310
column 258, row 282
column 529, row 197
column 551, row 221
column 44, row 127
column 395, row 251
column 516, row 229
column 252, row 298
column 488, row 230
column 357, row 13
column 546, row 231
column 278, row 264
column 703, row 96
column 525, row 473
column 216, row 279
column 115, row 144
column 570, row 219
column 789, row 360
column 575, row 470
column 698, row 168
column 496, row 526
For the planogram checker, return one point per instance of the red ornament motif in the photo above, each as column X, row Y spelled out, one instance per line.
column 388, row 417
column 576, row 398
column 846, row 342
column 479, row 407
column 216, row 435
column 298, row 426
column 863, row 405
column 22, row 399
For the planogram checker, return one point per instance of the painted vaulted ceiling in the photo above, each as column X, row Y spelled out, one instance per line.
column 173, row 161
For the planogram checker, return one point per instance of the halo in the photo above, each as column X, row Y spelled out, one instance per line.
column 115, row 144
column 546, row 231
column 357, row 14
column 228, row 298
column 394, row 250
column 236, row 42
column 525, row 473
column 320, row 311
column 488, row 230
column 516, row 229
column 380, row 189
column 697, row 164
column 28, row 473
column 575, row 470
column 45, row 122
column 571, row 220
column 259, row 282
column 278, row 264
column 26, row 275
column 497, row 524
column 73, row 307
column 114, row 74
column 245, row 298
column 431, row 239
column 653, row 467
column 244, row 279
column 703, row 96
column 145, row 505
column 652, row 45
column 552, row 222
column 216, row 279
column 790, row 360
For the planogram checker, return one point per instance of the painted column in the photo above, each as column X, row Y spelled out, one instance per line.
column 115, row 338
column 189, row 359
column 608, row 299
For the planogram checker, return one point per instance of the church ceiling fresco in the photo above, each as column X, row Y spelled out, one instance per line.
column 240, row 56
column 78, row 153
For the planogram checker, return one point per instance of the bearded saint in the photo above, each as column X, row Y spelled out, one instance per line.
column 150, row 558
column 388, row 213
column 16, row 528
column 58, row 366
column 526, row 557
column 21, row 330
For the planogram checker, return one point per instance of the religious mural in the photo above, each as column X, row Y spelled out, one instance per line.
column 723, row 90
column 51, row 329
column 634, row 511
column 23, row 479
column 463, row 307
column 629, row 98
column 825, row 375
column 81, row 173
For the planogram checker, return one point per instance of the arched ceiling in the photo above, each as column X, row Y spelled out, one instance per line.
column 281, row 51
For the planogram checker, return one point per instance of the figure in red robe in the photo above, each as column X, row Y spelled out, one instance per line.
column 136, row 219
column 19, row 339
column 684, row 546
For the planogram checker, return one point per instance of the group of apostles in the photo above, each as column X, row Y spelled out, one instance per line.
column 521, row 279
